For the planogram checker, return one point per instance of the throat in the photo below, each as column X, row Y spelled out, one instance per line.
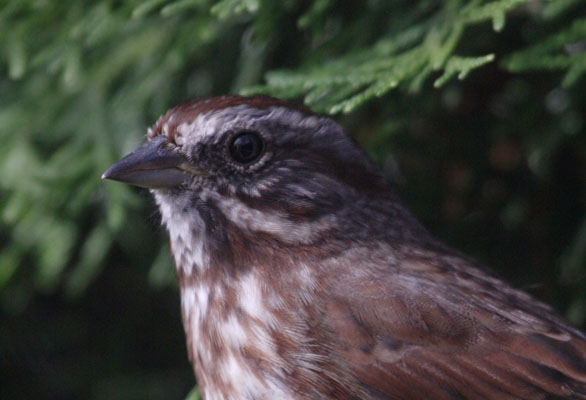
column 186, row 229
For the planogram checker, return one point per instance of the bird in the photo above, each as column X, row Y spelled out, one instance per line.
column 302, row 275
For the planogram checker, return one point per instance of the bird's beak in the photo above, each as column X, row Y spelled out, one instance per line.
column 151, row 166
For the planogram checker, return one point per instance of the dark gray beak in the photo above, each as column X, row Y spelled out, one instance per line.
column 151, row 166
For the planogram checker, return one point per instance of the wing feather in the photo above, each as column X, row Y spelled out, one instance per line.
column 404, row 337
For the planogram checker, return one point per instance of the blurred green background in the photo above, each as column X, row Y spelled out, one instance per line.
column 475, row 109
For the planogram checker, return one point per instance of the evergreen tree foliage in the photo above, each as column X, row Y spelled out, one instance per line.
column 474, row 108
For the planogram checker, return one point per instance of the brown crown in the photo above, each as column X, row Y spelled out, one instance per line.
column 189, row 111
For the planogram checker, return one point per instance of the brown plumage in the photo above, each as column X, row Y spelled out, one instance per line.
column 303, row 276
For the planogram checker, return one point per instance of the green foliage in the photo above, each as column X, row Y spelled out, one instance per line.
column 193, row 395
column 423, row 43
column 227, row 8
column 494, row 161
column 563, row 50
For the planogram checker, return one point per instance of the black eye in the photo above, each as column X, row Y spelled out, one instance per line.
column 246, row 147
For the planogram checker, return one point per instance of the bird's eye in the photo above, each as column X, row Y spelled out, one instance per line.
column 246, row 147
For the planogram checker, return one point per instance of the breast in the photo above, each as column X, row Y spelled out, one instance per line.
column 231, row 341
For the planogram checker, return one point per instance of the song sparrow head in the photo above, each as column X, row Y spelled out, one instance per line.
column 303, row 276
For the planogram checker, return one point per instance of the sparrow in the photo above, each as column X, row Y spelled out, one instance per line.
column 303, row 276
